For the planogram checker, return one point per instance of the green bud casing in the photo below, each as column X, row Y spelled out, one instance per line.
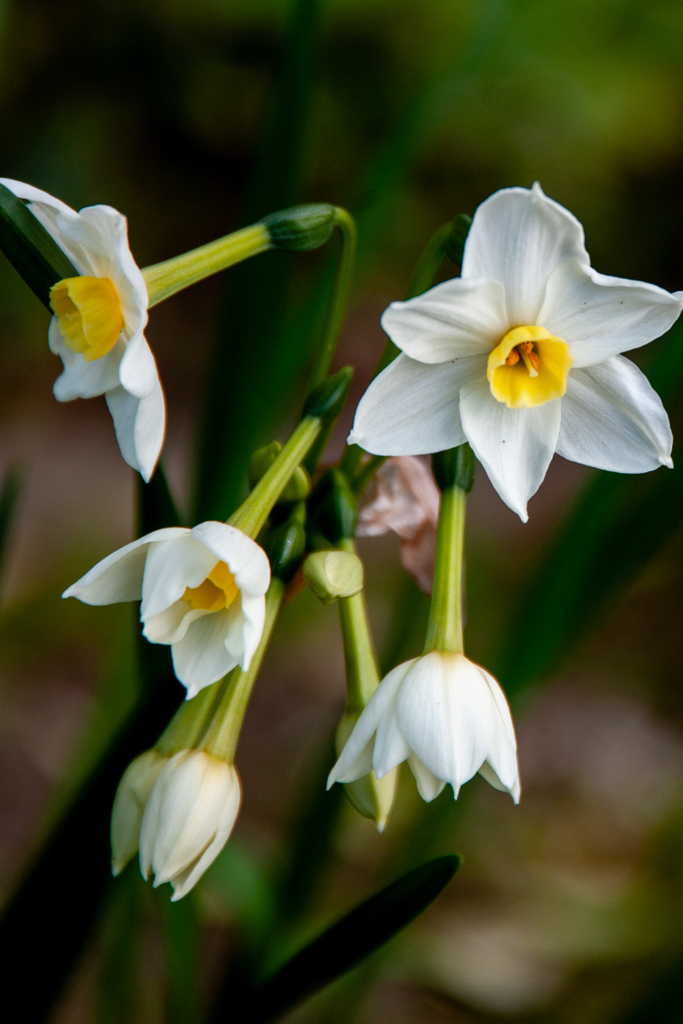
column 454, row 468
column 301, row 228
column 286, row 544
column 333, row 509
column 326, row 401
column 333, row 574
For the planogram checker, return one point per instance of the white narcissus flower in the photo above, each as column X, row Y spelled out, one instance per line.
column 202, row 590
column 188, row 819
column 520, row 356
column 99, row 321
column 444, row 715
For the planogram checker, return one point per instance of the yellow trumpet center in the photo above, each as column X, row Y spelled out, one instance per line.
column 89, row 313
column 217, row 591
column 529, row 367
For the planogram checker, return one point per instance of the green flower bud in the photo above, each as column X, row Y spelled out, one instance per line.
column 333, row 509
column 299, row 485
column 371, row 797
column 286, row 544
column 301, row 228
column 326, row 401
column 333, row 574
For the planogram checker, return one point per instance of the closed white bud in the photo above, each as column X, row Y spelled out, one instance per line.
column 371, row 797
column 188, row 819
column 129, row 804
column 333, row 574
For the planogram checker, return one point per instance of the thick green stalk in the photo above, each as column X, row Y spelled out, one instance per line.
column 340, row 295
column 189, row 721
column 362, row 672
column 171, row 276
column 252, row 514
column 444, row 628
column 222, row 733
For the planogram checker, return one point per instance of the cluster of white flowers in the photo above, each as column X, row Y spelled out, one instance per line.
column 520, row 357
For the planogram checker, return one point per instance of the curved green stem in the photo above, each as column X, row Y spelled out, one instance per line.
column 340, row 295
column 362, row 672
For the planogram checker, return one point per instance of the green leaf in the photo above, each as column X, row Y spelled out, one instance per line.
column 31, row 250
column 351, row 939
column 8, row 503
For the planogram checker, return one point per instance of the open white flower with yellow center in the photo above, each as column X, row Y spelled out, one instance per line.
column 444, row 715
column 520, row 356
column 99, row 321
column 202, row 591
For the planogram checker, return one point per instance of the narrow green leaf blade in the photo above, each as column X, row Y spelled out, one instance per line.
column 351, row 939
column 31, row 250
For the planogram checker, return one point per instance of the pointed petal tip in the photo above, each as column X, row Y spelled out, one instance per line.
column 666, row 461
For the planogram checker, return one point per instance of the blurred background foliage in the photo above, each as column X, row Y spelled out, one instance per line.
column 568, row 907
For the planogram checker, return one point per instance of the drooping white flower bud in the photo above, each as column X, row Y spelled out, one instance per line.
column 188, row 819
column 443, row 714
column 129, row 804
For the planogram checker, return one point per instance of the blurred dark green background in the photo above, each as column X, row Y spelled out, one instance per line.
column 568, row 908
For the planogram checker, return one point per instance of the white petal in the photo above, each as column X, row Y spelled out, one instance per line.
column 600, row 316
column 244, row 558
column 501, row 768
column 446, row 713
column 454, row 319
column 253, row 617
column 347, row 768
column 518, row 236
column 140, row 425
column 114, row 260
column 612, row 418
column 138, row 370
column 428, row 786
column 201, row 657
column 185, row 880
column 193, row 792
column 118, row 577
column 514, row 446
column 81, row 379
column 171, row 625
column 412, row 408
column 56, row 217
column 390, row 749
column 170, row 568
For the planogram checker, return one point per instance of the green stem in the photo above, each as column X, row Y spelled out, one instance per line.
column 252, row 514
column 367, row 472
column 171, row 276
column 362, row 672
column 444, row 627
column 189, row 721
column 340, row 295
column 222, row 733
